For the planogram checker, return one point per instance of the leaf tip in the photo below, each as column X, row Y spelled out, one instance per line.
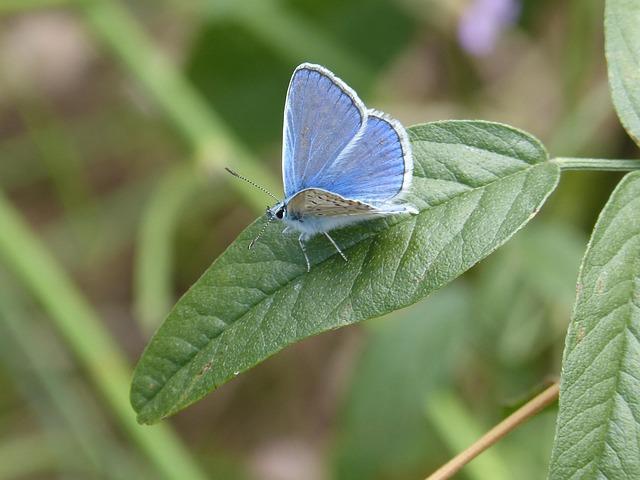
column 145, row 419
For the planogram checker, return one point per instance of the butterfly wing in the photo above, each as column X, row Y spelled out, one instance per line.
column 377, row 165
column 322, row 115
column 321, row 203
column 332, row 142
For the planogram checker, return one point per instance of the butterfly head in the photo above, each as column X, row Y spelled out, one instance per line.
column 277, row 212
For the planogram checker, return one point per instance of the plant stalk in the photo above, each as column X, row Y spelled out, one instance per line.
column 604, row 164
column 532, row 407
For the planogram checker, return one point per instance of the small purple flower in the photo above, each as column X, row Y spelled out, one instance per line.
column 482, row 23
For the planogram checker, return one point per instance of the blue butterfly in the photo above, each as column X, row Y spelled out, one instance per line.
column 342, row 163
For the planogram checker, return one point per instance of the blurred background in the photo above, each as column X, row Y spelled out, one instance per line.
column 116, row 120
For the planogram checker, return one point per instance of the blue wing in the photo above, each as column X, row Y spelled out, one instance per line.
column 332, row 142
column 322, row 115
column 376, row 167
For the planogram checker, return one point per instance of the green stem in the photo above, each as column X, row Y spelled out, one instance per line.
column 610, row 165
column 154, row 245
column 93, row 345
column 213, row 144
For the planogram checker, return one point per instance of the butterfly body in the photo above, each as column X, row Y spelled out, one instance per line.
column 342, row 163
column 316, row 210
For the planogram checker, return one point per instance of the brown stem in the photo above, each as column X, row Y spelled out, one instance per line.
column 533, row 406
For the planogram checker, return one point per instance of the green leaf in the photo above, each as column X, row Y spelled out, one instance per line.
column 598, row 431
column 475, row 184
column 622, row 35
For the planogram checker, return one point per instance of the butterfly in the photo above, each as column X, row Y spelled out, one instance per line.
column 342, row 163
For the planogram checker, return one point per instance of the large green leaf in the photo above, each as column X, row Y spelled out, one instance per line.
column 622, row 31
column 598, row 431
column 475, row 184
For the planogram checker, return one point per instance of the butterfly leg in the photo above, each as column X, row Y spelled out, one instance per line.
column 337, row 247
column 286, row 230
column 304, row 251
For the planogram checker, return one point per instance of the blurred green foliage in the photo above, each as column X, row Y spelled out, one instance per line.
column 88, row 148
column 383, row 427
column 263, row 40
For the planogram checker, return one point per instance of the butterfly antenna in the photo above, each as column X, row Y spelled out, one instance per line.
column 237, row 175
column 264, row 227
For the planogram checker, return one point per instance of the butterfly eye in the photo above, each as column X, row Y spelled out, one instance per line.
column 280, row 214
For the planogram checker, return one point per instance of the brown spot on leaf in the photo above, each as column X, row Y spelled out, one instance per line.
column 205, row 368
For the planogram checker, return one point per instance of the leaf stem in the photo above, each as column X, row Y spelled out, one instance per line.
column 604, row 164
column 533, row 406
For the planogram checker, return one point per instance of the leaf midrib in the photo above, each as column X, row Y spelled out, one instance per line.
column 526, row 167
